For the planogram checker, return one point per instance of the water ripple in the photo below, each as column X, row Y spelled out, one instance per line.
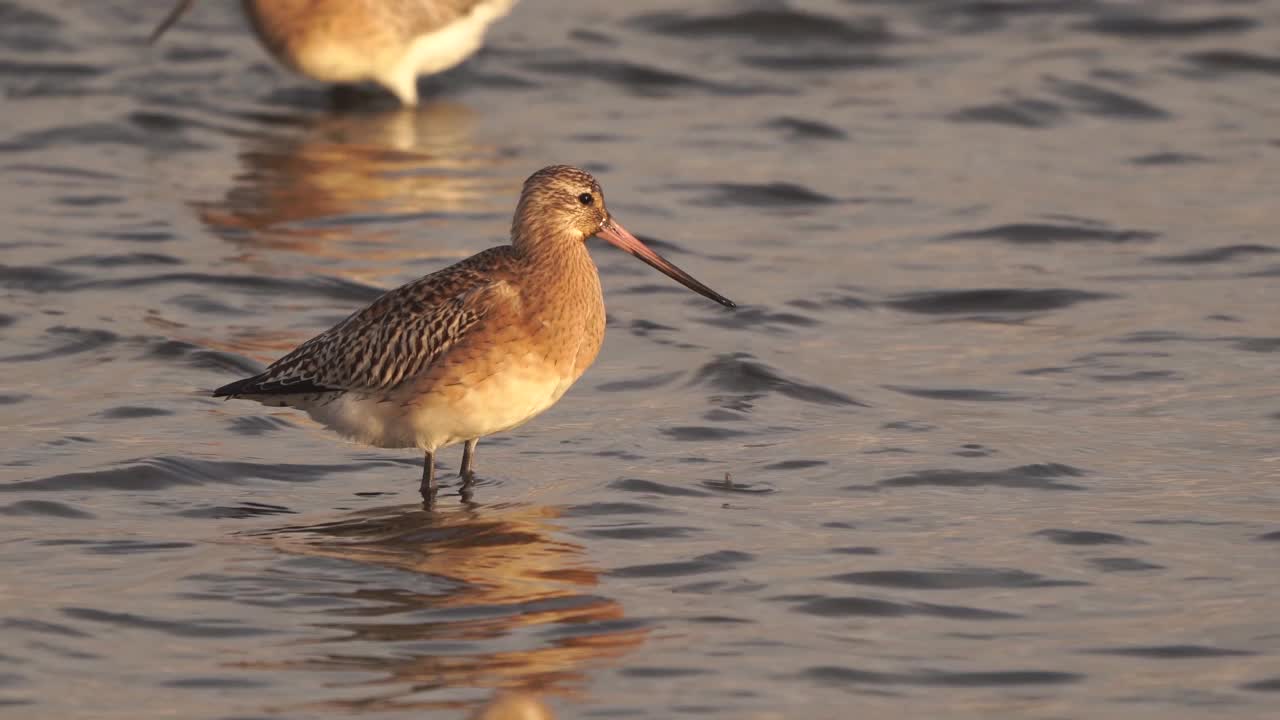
column 871, row 607
column 1139, row 27
column 1030, row 477
column 768, row 26
column 740, row 373
column 1045, row 233
column 205, row 628
column 939, row 678
column 166, row 472
column 958, row 579
column 989, row 300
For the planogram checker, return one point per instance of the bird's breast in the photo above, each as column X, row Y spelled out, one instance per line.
column 517, row 389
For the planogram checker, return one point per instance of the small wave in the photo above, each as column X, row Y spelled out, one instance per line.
column 711, row 562
column 939, row 678
column 43, row 508
column 993, row 300
column 1140, row 27
column 872, row 607
column 165, row 472
column 1171, row 652
column 740, row 373
column 798, row 128
column 642, row 80
column 1046, row 233
column 757, row 195
column 1084, row 537
column 1216, row 255
column 1026, row 477
column 769, row 26
column 1221, row 62
column 958, row 579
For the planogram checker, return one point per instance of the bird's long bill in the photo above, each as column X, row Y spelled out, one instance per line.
column 618, row 235
column 170, row 20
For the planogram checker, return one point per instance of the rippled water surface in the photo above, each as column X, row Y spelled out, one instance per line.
column 994, row 433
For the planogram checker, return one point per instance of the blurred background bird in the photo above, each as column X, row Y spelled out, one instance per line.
column 388, row 42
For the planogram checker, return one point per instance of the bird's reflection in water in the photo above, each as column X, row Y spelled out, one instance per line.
column 514, row 706
column 339, row 186
column 489, row 599
column 355, row 195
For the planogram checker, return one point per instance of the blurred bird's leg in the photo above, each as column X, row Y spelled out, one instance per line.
column 468, row 459
column 428, row 486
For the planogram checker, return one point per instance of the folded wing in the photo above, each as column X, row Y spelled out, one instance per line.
column 396, row 338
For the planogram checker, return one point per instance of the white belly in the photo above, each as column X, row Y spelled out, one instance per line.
column 500, row 403
column 450, row 45
column 436, row 420
column 440, row 50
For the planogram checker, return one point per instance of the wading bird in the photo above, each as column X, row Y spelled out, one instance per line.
column 471, row 350
column 390, row 42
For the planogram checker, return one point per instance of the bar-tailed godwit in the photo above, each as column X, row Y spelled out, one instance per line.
column 471, row 350
column 390, row 42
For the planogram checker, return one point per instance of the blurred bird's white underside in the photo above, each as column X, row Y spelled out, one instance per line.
column 402, row 418
column 398, row 69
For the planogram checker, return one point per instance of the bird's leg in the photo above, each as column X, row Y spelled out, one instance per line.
column 468, row 474
column 468, row 459
column 428, row 486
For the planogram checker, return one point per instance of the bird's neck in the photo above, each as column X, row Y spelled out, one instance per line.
column 560, row 270
column 554, row 250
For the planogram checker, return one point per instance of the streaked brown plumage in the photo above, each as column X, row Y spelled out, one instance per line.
column 390, row 42
column 476, row 348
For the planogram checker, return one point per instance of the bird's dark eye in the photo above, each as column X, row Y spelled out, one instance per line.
column 586, row 198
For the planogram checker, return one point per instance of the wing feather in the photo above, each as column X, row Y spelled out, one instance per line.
column 392, row 340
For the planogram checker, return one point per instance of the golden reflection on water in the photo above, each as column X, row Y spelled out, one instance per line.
column 516, row 706
column 503, row 562
column 353, row 195
column 331, row 186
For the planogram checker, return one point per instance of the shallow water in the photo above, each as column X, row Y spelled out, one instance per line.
column 994, row 432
